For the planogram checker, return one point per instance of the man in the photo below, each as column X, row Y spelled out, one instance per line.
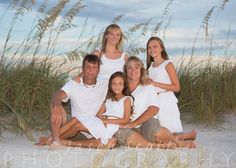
column 86, row 96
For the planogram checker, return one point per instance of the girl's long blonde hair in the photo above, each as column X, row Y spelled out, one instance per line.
column 104, row 39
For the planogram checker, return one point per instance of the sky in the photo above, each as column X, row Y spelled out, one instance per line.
column 183, row 22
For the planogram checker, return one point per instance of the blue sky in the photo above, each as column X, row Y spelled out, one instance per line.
column 186, row 18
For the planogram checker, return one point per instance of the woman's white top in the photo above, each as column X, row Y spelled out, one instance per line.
column 144, row 97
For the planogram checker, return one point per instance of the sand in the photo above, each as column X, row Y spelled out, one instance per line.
column 216, row 149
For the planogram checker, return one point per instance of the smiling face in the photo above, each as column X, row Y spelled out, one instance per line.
column 117, row 85
column 133, row 71
column 114, row 36
column 90, row 70
column 154, row 48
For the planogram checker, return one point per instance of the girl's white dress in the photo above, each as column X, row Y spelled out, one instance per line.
column 114, row 109
column 169, row 115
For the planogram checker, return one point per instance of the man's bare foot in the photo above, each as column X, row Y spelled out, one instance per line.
column 56, row 146
column 44, row 141
column 110, row 144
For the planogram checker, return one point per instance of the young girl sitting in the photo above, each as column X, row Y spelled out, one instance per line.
column 115, row 110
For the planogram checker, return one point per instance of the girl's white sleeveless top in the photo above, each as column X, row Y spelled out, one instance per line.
column 110, row 66
column 159, row 74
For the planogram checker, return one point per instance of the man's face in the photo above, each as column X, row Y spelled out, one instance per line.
column 90, row 70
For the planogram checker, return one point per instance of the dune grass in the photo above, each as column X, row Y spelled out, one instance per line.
column 25, row 95
column 208, row 90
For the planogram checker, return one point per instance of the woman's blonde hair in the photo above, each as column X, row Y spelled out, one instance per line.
column 164, row 54
column 135, row 59
column 104, row 39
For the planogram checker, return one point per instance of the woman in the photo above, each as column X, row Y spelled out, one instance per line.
column 145, row 108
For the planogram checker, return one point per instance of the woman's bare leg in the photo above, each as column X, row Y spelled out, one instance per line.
column 163, row 135
column 186, row 136
column 189, row 144
column 137, row 140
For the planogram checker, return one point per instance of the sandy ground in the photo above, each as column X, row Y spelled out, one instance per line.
column 216, row 149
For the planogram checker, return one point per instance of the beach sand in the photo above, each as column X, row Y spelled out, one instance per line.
column 216, row 148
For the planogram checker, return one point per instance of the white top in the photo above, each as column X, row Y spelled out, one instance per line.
column 85, row 101
column 144, row 96
column 116, row 108
column 159, row 74
column 110, row 66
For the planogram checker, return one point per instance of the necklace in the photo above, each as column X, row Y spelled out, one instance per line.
column 88, row 86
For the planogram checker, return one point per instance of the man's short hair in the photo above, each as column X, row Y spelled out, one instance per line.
column 91, row 58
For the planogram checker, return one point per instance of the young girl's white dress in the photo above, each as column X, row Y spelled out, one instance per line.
column 114, row 109
column 168, row 115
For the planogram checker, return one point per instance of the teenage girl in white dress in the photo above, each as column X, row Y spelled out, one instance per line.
column 115, row 111
column 163, row 76
column 112, row 57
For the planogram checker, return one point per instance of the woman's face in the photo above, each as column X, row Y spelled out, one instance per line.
column 154, row 48
column 133, row 71
column 113, row 36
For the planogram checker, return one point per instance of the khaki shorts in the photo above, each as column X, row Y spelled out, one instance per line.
column 147, row 129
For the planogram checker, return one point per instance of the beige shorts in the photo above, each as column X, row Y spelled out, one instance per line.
column 147, row 129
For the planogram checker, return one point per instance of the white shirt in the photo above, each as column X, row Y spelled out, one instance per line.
column 85, row 101
column 144, row 96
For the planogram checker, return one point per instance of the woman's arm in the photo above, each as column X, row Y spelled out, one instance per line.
column 148, row 114
column 127, row 112
column 174, row 86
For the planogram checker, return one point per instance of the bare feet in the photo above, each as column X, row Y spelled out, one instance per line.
column 189, row 144
column 44, row 141
column 169, row 145
column 186, row 136
column 110, row 144
column 56, row 146
column 192, row 144
column 194, row 134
